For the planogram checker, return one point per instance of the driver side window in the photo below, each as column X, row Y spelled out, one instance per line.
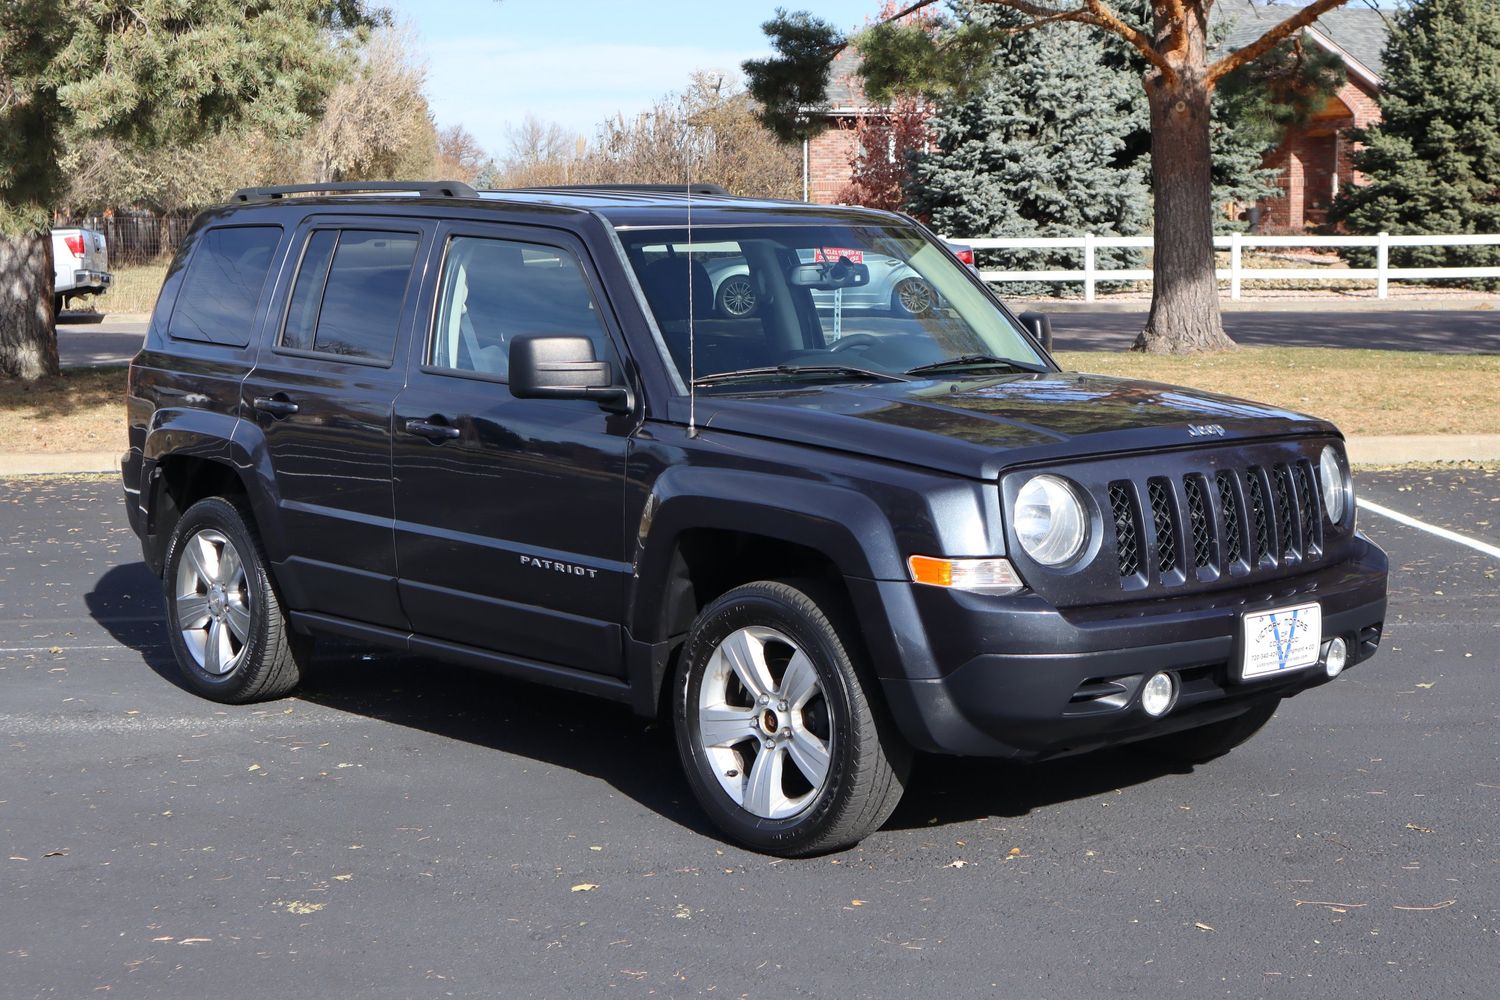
column 493, row 291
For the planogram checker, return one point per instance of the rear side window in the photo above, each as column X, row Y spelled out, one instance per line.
column 350, row 289
column 223, row 285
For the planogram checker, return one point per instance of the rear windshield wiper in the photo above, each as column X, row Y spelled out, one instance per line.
column 772, row 371
column 962, row 361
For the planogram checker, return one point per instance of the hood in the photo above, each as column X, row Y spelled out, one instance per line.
column 977, row 427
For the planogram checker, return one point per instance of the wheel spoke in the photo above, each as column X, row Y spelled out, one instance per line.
column 726, row 726
column 229, row 568
column 213, row 648
column 192, row 611
column 237, row 617
column 810, row 756
column 800, row 682
column 746, row 656
column 763, row 794
column 204, row 559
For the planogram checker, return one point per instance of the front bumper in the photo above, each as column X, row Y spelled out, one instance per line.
column 1029, row 681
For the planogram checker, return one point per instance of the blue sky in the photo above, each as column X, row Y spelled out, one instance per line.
column 576, row 62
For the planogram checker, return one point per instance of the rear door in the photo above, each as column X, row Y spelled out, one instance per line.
column 509, row 512
column 321, row 394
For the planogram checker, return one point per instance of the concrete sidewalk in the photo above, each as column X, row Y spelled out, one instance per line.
column 1398, row 449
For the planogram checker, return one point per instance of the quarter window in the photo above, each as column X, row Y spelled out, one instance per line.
column 223, row 285
column 349, row 294
column 493, row 291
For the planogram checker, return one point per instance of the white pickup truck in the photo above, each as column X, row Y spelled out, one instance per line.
column 81, row 263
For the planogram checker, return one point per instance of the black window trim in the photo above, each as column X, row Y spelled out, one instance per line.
column 267, row 286
column 506, row 232
column 339, row 226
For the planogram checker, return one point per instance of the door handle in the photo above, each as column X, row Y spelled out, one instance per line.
column 432, row 431
column 276, row 406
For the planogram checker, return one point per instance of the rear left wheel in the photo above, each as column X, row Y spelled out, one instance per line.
column 232, row 640
column 779, row 738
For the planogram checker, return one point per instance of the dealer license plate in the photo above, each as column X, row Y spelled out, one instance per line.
column 1281, row 640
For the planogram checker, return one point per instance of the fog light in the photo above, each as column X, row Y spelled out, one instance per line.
column 1336, row 657
column 1158, row 694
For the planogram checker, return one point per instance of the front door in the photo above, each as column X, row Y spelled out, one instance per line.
column 321, row 393
column 509, row 512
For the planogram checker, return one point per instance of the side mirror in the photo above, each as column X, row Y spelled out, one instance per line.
column 564, row 368
column 1040, row 326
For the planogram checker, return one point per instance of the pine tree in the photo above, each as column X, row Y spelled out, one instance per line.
column 1039, row 148
column 152, row 75
column 1433, row 162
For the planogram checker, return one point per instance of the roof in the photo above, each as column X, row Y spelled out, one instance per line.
column 1358, row 33
column 844, row 90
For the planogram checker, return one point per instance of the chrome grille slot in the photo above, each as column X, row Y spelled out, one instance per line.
column 1229, row 508
column 1197, row 511
column 1127, row 544
column 1165, row 523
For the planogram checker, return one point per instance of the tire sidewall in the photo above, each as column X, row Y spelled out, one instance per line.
column 218, row 515
column 719, row 620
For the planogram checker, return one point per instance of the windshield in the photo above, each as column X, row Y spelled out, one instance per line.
column 783, row 302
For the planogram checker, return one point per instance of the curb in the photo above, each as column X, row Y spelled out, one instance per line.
column 60, row 463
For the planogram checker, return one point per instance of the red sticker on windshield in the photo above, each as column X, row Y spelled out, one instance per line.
column 831, row 255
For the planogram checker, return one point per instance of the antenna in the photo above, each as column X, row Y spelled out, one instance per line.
column 692, row 314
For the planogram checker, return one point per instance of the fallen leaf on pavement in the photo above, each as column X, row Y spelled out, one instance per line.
column 1202, row 926
column 584, row 887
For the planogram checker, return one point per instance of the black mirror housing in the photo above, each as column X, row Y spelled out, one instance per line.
column 564, row 368
column 1040, row 326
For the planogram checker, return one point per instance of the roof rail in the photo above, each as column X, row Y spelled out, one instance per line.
column 423, row 189
column 707, row 189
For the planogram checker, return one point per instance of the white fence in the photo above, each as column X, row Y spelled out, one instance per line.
column 1236, row 273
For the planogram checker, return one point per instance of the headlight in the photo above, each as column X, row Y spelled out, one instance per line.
column 1049, row 520
column 1338, row 492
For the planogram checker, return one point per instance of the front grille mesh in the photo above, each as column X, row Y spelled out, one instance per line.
column 1197, row 508
column 1283, row 480
column 1166, row 528
column 1307, row 505
column 1260, row 529
column 1229, row 514
column 1278, row 505
column 1126, row 544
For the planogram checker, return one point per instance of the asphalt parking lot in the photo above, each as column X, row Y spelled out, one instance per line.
column 409, row 829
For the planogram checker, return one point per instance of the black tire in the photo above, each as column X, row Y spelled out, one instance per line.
column 1201, row 745
column 271, row 657
column 57, row 305
column 912, row 297
column 736, row 298
column 867, row 761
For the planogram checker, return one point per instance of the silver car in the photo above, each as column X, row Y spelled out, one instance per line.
column 893, row 286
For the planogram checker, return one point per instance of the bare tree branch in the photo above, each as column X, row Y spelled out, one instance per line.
column 1234, row 60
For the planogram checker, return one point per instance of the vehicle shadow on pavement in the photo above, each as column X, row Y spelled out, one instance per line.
column 945, row 790
column 589, row 735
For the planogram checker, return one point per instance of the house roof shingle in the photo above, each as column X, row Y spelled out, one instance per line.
column 1359, row 30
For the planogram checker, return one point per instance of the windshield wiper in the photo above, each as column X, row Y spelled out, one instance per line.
column 770, row 371
column 972, row 361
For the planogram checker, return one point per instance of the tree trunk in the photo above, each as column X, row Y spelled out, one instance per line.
column 1184, row 292
column 28, row 334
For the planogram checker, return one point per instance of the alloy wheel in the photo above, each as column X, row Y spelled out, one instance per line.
column 213, row 602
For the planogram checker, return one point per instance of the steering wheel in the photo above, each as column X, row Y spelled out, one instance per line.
column 854, row 340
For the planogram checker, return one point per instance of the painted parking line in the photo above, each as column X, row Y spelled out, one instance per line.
column 1431, row 529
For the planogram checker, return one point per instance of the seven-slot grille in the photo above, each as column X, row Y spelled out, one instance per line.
column 1197, row 527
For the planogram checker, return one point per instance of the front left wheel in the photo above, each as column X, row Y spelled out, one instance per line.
column 779, row 737
column 232, row 640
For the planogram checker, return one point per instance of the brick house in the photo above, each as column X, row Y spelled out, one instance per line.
column 1314, row 160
